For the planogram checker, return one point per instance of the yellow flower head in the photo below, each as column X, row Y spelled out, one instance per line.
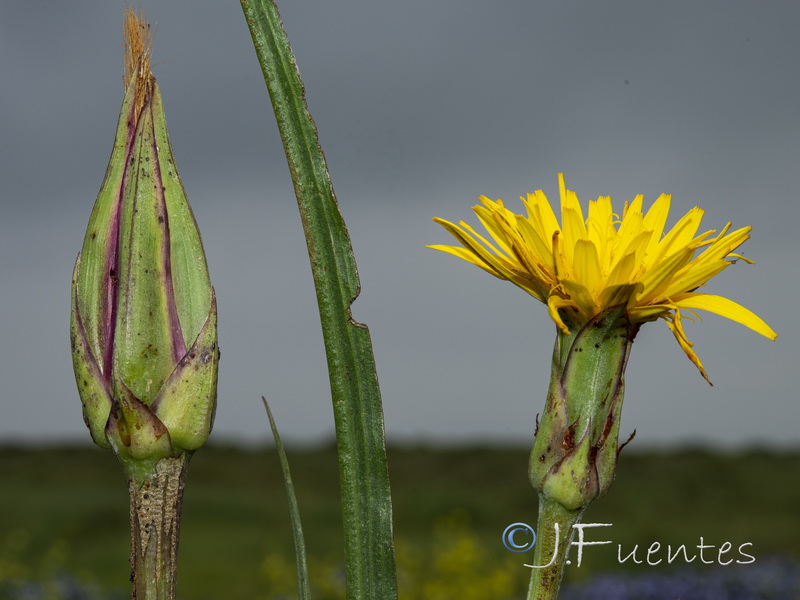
column 586, row 265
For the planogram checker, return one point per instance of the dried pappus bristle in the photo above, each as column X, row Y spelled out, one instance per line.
column 136, row 31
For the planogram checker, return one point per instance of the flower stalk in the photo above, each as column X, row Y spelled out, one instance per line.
column 144, row 324
column 155, row 527
column 554, row 535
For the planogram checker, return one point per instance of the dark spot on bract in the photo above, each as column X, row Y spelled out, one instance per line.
column 149, row 350
column 160, row 219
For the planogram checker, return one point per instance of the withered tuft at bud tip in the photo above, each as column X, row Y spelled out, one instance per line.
column 136, row 32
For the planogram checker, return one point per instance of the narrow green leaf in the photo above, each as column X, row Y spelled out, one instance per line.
column 358, row 414
column 303, row 588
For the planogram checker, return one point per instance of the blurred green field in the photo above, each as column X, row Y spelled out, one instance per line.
column 64, row 510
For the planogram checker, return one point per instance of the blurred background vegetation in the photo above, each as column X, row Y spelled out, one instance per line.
column 64, row 519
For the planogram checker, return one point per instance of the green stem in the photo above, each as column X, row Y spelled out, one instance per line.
column 551, row 549
column 155, row 528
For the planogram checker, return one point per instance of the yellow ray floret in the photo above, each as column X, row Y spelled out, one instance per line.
column 588, row 265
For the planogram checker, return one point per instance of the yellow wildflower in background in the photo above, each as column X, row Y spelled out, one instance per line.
column 586, row 265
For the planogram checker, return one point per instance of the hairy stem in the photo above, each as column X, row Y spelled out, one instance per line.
column 156, row 500
column 554, row 534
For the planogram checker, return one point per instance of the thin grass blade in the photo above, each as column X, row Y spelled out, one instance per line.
column 303, row 587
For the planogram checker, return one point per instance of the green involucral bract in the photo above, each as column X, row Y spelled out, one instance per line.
column 144, row 317
column 574, row 455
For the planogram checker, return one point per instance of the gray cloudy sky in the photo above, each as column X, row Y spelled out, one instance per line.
column 422, row 106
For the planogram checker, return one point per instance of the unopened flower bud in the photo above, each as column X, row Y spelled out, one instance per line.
column 144, row 318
